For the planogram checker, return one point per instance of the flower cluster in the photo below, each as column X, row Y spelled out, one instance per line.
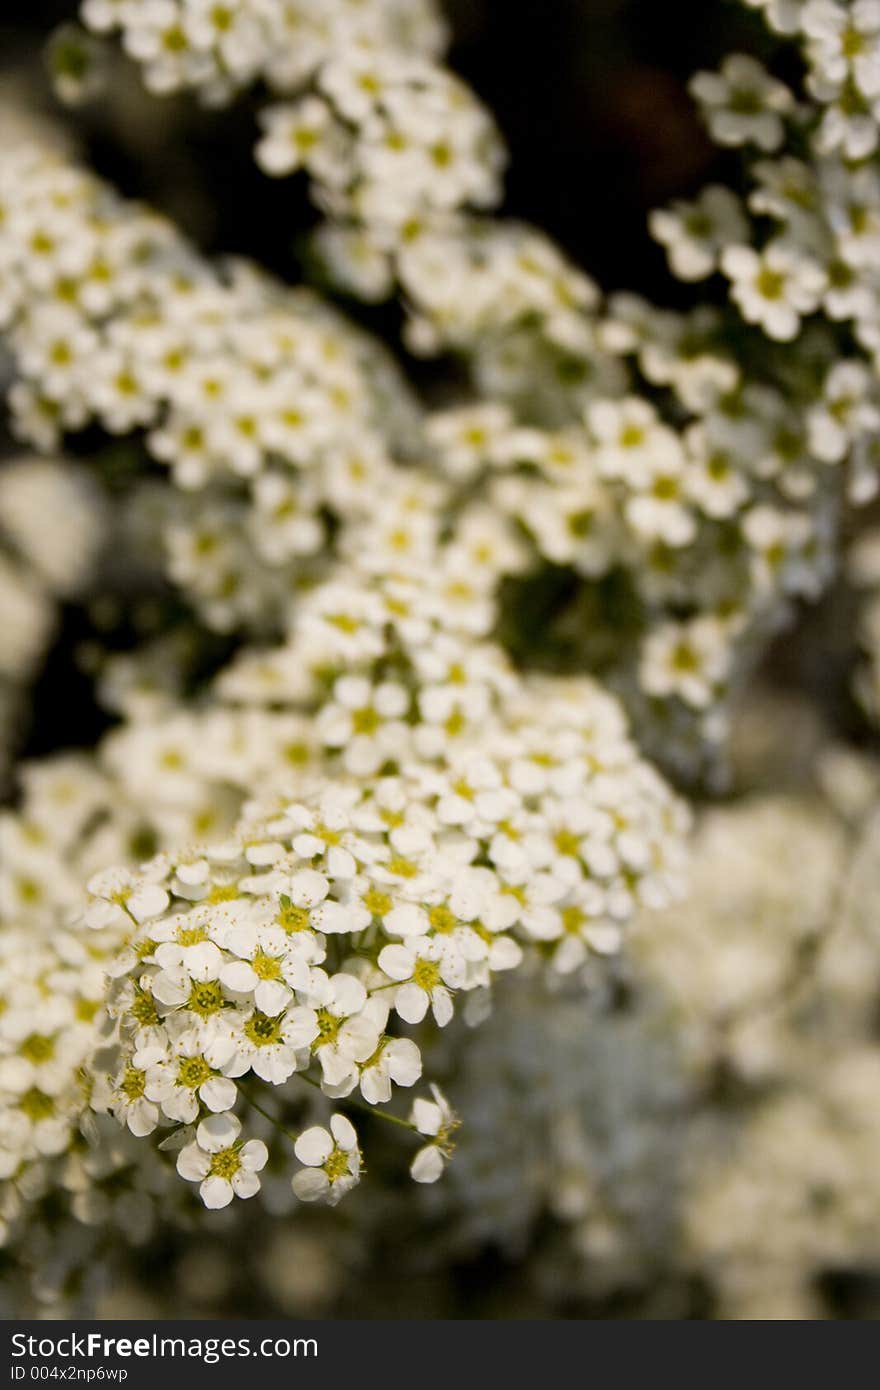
column 694, row 492
column 451, row 816
column 262, row 403
column 697, row 1133
column 53, row 981
column 360, row 785
column 426, row 815
column 391, row 141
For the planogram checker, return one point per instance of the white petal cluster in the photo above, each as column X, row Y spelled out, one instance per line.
column 367, row 817
column 390, row 140
column 53, row 985
column 314, row 854
column 263, row 405
column 678, row 483
column 454, row 818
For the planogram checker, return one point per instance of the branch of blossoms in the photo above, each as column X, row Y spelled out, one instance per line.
column 696, row 491
column 455, row 818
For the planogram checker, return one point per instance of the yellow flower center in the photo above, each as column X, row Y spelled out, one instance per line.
column 205, row 998
column 328, row 1028
column 403, row 868
column 426, row 975
column 337, row 1165
column 133, row 1082
column 223, row 893
column 376, row 902
column 225, row 1164
column 192, row 1072
column 442, row 919
column 191, row 936
column 37, row 1105
column 365, row 721
column 266, row 967
column 573, row 919
column 567, row 842
column 292, row 919
column 39, row 1047
column 262, row 1030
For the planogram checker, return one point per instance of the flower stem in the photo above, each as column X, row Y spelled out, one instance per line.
column 363, row 1106
column 252, row 1100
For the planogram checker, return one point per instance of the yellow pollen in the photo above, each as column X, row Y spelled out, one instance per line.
column 143, row 1010
column 365, row 721
column 344, row 622
column 328, row 1027
column 192, row 1072
column 572, row 919
column 39, row 1047
column 191, row 936
column 262, row 1030
column 376, row 902
column 567, row 842
column 37, row 1105
column 225, row 1164
column 455, row 724
column 266, row 967
column 403, row 868
column 223, row 893
column 205, row 999
column 337, row 1165
column 442, row 919
column 293, row 919
column 330, row 837
column 426, row 974
column 133, row 1083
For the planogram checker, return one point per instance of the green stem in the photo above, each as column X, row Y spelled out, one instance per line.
column 252, row 1100
column 361, row 1105
column 347, row 1100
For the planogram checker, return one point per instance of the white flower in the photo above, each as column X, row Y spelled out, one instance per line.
column 687, row 659
column 269, row 1044
column 222, row 1166
column 428, row 973
column 437, row 1119
column 333, row 1162
column 847, row 411
column 780, row 542
column 348, row 1028
column 130, row 1102
column 365, row 722
column 742, row 103
column 396, row 1060
column 268, row 966
column 633, row 444
column 782, row 15
column 714, row 479
column 774, row 288
column 121, row 897
column 180, row 1079
column 695, row 233
column 659, row 510
column 299, row 135
column 848, row 125
column 843, row 42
